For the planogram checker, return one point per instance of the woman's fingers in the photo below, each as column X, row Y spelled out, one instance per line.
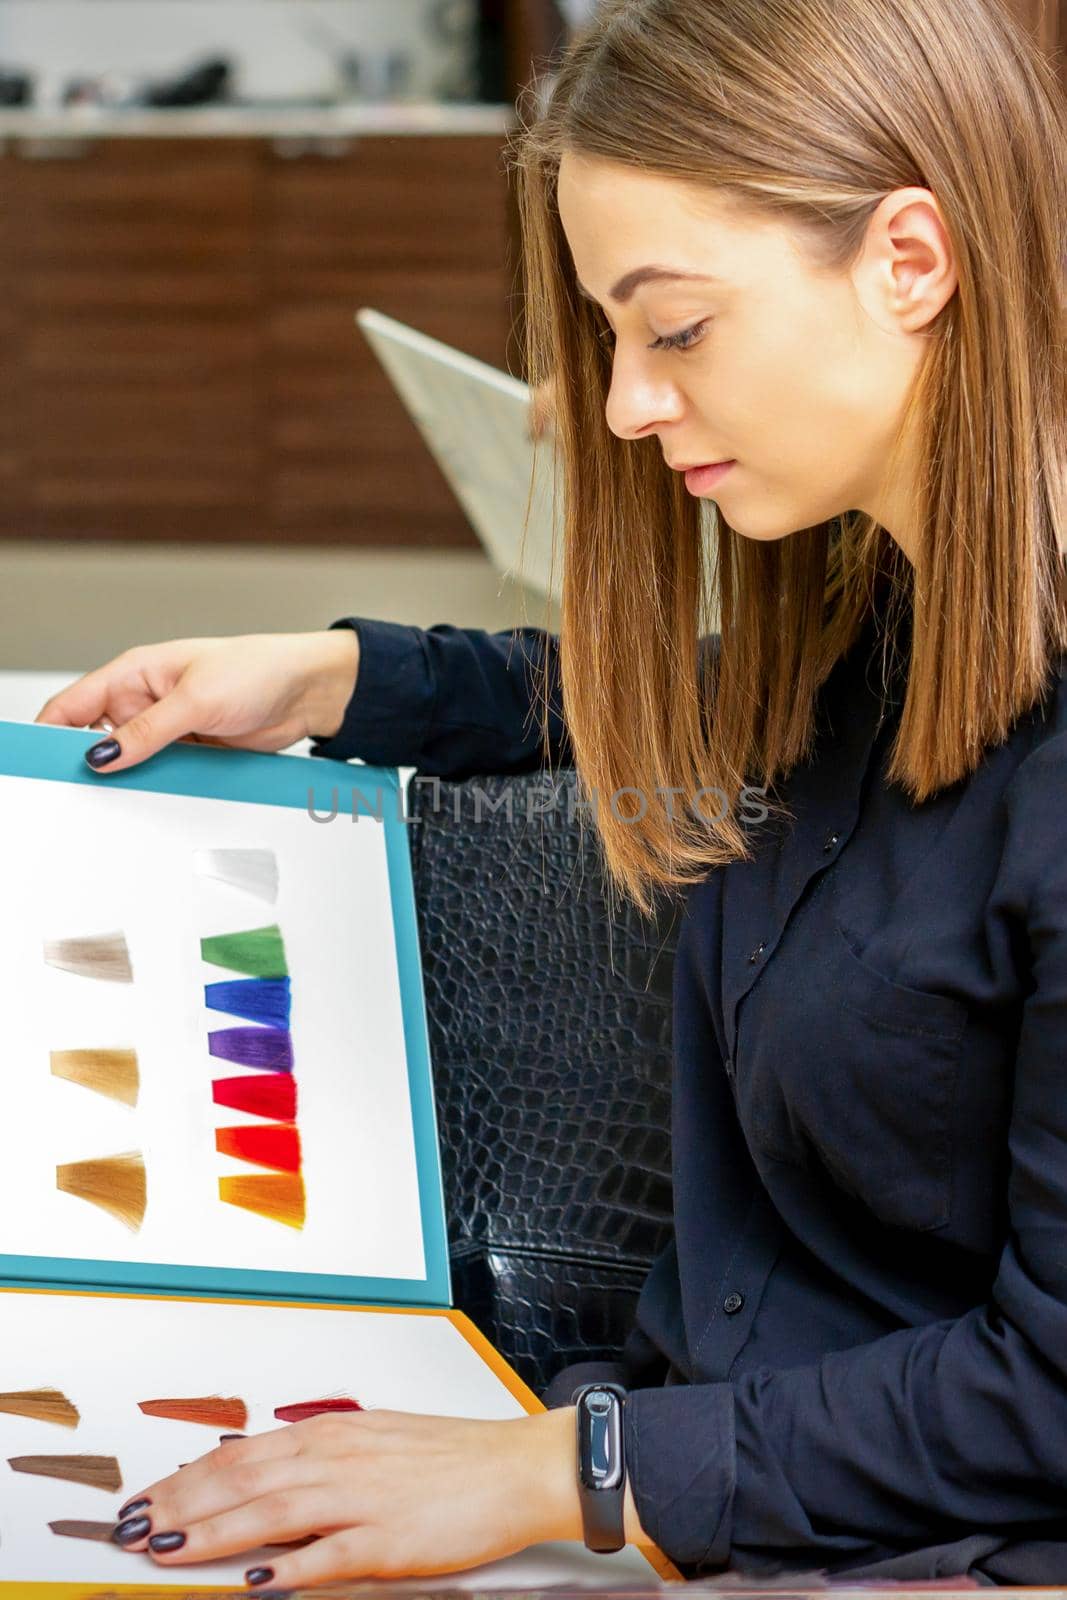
column 348, row 1553
column 167, row 1495
column 146, row 732
column 288, row 1511
column 81, row 703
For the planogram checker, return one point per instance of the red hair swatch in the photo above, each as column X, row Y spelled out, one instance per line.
column 263, row 1094
column 266, row 1144
column 313, row 1408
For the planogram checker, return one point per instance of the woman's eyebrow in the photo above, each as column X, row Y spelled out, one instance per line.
column 623, row 291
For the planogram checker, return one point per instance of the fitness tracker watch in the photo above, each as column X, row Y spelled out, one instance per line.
column 601, row 1465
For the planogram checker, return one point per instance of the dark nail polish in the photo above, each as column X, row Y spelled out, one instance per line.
column 166, row 1541
column 98, row 755
column 258, row 1575
column 224, row 1436
column 133, row 1505
column 129, row 1532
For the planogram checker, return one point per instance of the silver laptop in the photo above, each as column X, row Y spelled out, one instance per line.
column 475, row 421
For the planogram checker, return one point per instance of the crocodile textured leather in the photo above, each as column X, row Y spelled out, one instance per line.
column 549, row 1024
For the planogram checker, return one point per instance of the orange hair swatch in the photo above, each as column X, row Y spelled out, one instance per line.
column 212, row 1409
column 277, row 1196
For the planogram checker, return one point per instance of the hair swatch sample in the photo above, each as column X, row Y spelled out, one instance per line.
column 267, row 1049
column 41, row 1405
column 303, row 1409
column 215, row 1411
column 110, row 1072
column 114, row 1183
column 253, row 871
column 258, row 999
column 99, row 1531
column 264, row 1144
column 258, row 951
column 97, row 955
column 267, row 1094
column 279, row 1197
column 99, row 1472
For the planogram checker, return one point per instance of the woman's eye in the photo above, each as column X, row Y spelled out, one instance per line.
column 679, row 341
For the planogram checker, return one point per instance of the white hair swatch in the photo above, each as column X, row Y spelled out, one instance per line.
column 253, row 871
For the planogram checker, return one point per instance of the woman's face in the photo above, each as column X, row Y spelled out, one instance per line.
column 798, row 376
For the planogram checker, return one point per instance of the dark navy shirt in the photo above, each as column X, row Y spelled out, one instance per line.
column 853, row 1355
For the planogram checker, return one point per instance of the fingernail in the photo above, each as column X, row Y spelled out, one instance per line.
column 130, row 1532
column 224, row 1436
column 98, row 755
column 166, row 1541
column 133, row 1505
column 258, row 1575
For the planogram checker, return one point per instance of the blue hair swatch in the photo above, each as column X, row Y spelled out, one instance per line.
column 258, row 999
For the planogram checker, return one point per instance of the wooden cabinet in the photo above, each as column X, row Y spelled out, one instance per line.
column 181, row 359
column 420, row 234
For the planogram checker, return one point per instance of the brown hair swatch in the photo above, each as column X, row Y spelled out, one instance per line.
column 97, row 955
column 114, row 1183
column 214, row 1410
column 110, row 1072
column 99, row 1472
column 100, row 1531
column 41, row 1405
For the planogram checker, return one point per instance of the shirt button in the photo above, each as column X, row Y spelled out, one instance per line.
column 758, row 950
column 830, row 841
column 733, row 1303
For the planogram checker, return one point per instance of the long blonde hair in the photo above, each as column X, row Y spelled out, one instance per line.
column 812, row 110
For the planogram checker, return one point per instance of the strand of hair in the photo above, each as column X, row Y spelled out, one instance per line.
column 215, row 1411
column 41, row 1405
column 104, row 956
column 99, row 1472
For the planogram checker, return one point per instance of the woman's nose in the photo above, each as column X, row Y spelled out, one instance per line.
column 638, row 401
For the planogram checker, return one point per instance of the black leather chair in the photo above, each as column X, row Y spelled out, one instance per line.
column 549, row 1023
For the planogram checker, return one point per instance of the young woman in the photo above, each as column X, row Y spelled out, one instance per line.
column 827, row 246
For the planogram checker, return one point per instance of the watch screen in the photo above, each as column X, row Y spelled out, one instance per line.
column 600, row 1444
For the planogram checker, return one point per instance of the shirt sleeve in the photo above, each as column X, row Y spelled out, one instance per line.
column 450, row 701
column 929, row 1432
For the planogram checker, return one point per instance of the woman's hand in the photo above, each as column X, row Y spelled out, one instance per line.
column 258, row 691
column 389, row 1495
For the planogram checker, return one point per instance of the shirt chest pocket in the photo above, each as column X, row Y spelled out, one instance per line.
column 841, row 1067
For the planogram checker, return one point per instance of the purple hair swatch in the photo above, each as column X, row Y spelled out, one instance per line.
column 258, row 999
column 266, row 1049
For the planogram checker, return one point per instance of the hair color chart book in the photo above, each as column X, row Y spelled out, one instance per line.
column 222, row 1206
column 82, row 1435
column 215, row 1053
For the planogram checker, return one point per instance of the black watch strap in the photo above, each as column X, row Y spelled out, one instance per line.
column 601, row 1464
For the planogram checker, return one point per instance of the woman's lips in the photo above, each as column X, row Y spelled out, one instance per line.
column 698, row 480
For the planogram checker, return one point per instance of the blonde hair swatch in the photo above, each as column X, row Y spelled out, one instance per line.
column 216, row 1411
column 41, row 1405
column 96, row 955
column 277, row 1196
column 114, row 1183
column 110, row 1072
column 100, row 1531
column 254, row 871
column 99, row 1472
